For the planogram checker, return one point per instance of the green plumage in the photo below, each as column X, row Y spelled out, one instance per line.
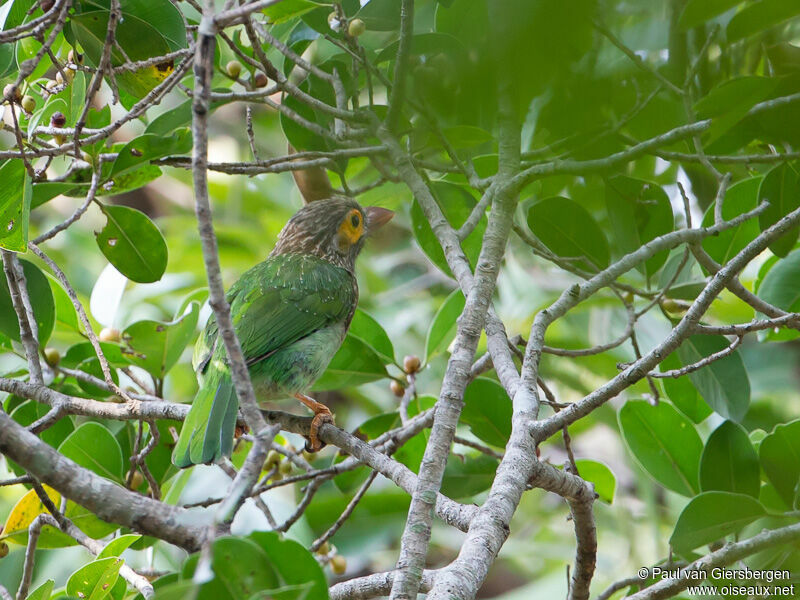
column 291, row 314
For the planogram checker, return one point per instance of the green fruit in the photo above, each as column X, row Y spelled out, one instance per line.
column 339, row 564
column 356, row 28
column 28, row 104
column 52, row 356
column 136, row 480
column 234, row 68
column 285, row 467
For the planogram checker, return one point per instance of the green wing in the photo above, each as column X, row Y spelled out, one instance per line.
column 280, row 301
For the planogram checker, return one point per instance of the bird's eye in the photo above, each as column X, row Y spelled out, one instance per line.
column 355, row 220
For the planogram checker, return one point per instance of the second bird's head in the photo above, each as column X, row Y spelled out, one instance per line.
column 334, row 229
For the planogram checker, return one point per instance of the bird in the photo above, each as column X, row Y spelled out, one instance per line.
column 291, row 313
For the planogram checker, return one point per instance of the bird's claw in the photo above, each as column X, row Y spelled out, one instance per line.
column 313, row 443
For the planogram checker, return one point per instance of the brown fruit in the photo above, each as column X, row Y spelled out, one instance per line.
column 12, row 93
column 46, row 4
column 58, row 120
column 52, row 356
column 136, row 481
column 411, row 364
column 28, row 104
column 109, row 334
column 356, row 28
column 338, row 564
column 234, row 68
column 3, row 549
column 397, row 388
column 260, row 80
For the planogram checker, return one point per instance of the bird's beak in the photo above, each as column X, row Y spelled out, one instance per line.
column 377, row 217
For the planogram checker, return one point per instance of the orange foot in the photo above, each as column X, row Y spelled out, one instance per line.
column 322, row 414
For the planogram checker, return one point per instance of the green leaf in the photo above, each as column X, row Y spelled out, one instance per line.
column 92, row 446
column 15, row 205
column 41, row 297
column 241, row 570
column 781, row 188
column 465, row 476
column 65, row 311
column 639, row 211
column 605, row 484
column 723, row 384
column 729, row 462
column 728, row 103
column 664, row 443
column 133, row 244
column 294, row 565
column 759, row 16
column 467, row 136
column 353, row 364
column 95, row 580
column 43, row 591
column 156, row 346
column 149, row 147
column 118, row 545
column 169, row 121
column 711, row 516
column 456, row 204
column 30, row 411
column 288, row 9
column 779, row 288
column 92, row 367
column 740, row 198
column 367, row 328
column 779, row 454
column 487, row 411
column 443, row 326
column 682, row 392
column 574, row 237
column 696, row 12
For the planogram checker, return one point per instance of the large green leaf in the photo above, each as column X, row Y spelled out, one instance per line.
column 133, row 244
column 779, row 288
column 781, row 188
column 299, row 574
column 465, row 476
column 724, row 383
column 456, row 204
column 779, row 454
column 41, row 297
column 92, row 446
column 156, row 346
column 15, row 205
column 695, row 12
column 442, row 329
column 43, row 591
column 367, row 328
column 353, row 364
column 487, row 411
column 740, row 198
column 729, row 462
column 758, row 16
column 95, row 580
column 711, row 516
column 569, row 231
column 149, row 147
column 729, row 102
column 664, row 443
column 639, row 211
column 682, row 392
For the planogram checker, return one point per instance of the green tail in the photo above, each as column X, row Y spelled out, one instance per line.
column 207, row 433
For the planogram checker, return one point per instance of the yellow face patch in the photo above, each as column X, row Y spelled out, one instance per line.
column 351, row 228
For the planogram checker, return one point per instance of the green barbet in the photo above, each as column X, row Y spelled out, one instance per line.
column 290, row 313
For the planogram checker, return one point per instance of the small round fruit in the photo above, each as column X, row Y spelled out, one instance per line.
column 52, row 356
column 356, row 28
column 334, row 22
column 325, row 548
column 28, row 104
column 76, row 58
column 69, row 74
column 285, row 467
column 273, row 458
column 628, row 297
column 234, row 68
column 260, row 80
column 672, row 306
column 12, row 93
column 136, row 480
column 60, row 139
column 3, row 549
column 86, row 157
column 411, row 364
column 46, row 4
column 397, row 388
column 57, row 119
column 338, row 564
column 109, row 334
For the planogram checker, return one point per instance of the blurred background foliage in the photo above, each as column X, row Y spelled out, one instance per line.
column 579, row 97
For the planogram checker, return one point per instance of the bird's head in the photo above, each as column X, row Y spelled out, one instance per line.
column 334, row 229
